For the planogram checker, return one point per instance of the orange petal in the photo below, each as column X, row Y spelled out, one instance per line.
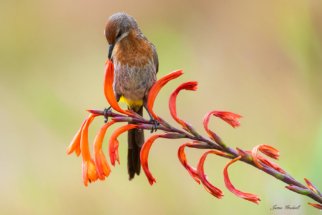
column 157, row 87
column 84, row 138
column 207, row 185
column 192, row 85
column 270, row 164
column 102, row 166
column 266, row 149
column 108, row 88
column 144, row 156
column 114, row 143
column 74, row 146
column 247, row 196
column 182, row 157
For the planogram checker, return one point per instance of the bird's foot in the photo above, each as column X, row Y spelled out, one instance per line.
column 106, row 111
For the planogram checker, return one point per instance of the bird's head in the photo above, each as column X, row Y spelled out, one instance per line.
column 118, row 27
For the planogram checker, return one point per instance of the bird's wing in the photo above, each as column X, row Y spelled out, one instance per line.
column 155, row 58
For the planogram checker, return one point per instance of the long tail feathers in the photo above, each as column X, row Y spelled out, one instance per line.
column 135, row 142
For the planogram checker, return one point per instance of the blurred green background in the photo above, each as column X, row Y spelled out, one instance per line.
column 261, row 59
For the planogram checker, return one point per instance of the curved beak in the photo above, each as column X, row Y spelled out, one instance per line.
column 110, row 50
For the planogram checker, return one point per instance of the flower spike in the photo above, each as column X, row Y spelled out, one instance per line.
column 103, row 169
column 157, row 87
column 108, row 88
column 182, row 157
column 114, row 143
column 231, row 188
column 192, row 85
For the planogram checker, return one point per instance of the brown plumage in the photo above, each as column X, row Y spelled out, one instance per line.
column 135, row 64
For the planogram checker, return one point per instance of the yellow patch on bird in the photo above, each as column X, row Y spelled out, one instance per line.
column 133, row 104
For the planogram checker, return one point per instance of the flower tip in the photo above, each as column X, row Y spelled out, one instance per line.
column 318, row 206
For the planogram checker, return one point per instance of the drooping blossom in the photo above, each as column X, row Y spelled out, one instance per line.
column 89, row 169
column 157, row 86
column 192, row 85
column 145, row 150
column 182, row 157
column 102, row 166
column 114, row 143
column 248, row 196
column 203, row 178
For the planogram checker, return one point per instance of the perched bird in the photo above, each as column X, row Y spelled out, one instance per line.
column 135, row 67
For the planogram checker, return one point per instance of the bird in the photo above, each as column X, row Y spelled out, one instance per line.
column 136, row 65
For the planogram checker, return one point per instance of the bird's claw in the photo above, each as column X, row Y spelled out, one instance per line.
column 155, row 124
column 106, row 111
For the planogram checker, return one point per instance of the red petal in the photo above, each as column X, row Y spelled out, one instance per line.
column 192, row 85
column 157, row 87
column 229, row 117
column 266, row 149
column 318, row 206
column 108, row 88
column 270, row 164
column 211, row 134
column 247, row 196
column 144, row 156
column 207, row 185
column 182, row 157
column 114, row 143
column 74, row 146
column 102, row 166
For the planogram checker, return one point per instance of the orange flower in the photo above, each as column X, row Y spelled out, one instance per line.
column 89, row 170
column 114, row 143
column 267, row 150
column 157, row 87
column 192, row 85
column 74, row 146
column 318, row 206
column 182, row 157
column 207, row 185
column 108, row 88
column 247, row 196
column 103, row 169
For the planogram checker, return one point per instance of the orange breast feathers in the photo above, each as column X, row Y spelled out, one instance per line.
column 133, row 50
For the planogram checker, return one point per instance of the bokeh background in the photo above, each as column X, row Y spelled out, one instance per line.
column 261, row 59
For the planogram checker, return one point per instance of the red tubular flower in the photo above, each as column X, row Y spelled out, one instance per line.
column 247, row 196
column 318, row 206
column 265, row 149
column 202, row 176
column 74, row 146
column 103, row 169
column 229, row 117
column 182, row 157
column 192, row 85
column 270, row 164
column 144, row 156
column 157, row 87
column 114, row 143
column 108, row 88
column 89, row 169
